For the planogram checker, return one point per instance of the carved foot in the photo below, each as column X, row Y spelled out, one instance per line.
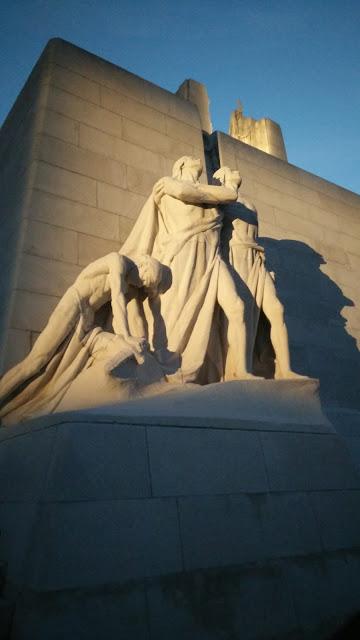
column 246, row 375
column 290, row 375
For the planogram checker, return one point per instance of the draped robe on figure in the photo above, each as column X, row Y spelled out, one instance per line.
column 181, row 320
column 247, row 261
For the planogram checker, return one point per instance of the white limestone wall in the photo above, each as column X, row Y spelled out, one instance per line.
column 101, row 138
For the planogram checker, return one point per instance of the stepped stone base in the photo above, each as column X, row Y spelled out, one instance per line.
column 122, row 526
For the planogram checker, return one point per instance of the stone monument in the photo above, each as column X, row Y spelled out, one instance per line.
column 164, row 471
column 264, row 134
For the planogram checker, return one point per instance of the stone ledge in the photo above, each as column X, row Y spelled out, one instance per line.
column 250, row 405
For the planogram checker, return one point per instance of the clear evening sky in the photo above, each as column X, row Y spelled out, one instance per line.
column 295, row 61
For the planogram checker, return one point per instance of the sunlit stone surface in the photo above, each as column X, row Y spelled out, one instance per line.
column 229, row 510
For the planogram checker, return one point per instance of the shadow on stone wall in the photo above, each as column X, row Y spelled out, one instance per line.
column 320, row 344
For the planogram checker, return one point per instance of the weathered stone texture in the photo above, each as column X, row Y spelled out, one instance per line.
column 91, row 140
column 108, row 520
column 311, row 232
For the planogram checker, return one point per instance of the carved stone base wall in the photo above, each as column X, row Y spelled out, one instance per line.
column 113, row 528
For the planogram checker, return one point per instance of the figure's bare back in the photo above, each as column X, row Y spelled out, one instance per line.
column 179, row 215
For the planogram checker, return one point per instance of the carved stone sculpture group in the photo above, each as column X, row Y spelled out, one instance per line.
column 180, row 303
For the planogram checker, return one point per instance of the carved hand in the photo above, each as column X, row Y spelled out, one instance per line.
column 167, row 186
column 228, row 178
column 138, row 346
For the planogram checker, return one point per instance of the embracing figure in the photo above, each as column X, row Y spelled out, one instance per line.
column 169, row 298
column 180, row 226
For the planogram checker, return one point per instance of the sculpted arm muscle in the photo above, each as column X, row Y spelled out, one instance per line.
column 211, row 194
column 193, row 193
column 118, row 286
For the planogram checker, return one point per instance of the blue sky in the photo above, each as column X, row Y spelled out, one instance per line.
column 295, row 61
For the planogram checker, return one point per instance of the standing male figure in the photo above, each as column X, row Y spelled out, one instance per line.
column 180, row 226
column 247, row 258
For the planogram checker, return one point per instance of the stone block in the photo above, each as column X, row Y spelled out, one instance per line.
column 246, row 603
column 342, row 275
column 125, row 226
column 309, row 585
column 269, row 230
column 178, row 608
column 181, row 131
column 171, row 104
column 289, row 525
column 231, row 461
column 283, row 182
column 345, row 421
column 238, row 603
column 49, row 277
column 351, row 226
column 140, row 181
column 116, row 200
column 308, row 462
column 97, row 69
column 17, row 346
column 51, row 242
column 133, row 109
column 139, row 538
column 65, row 183
column 333, row 253
column 73, row 215
column 114, row 612
column 283, row 202
column 266, row 214
column 59, row 126
column 331, row 190
column 84, row 111
column 163, row 144
column 81, row 161
column 121, row 150
column 338, row 514
column 91, row 248
column 323, row 217
column 221, row 531
column 33, row 337
column 17, row 521
column 75, row 83
column 138, row 157
column 343, row 570
column 306, row 228
column 263, row 605
column 31, row 311
column 338, row 207
column 98, row 462
column 95, row 140
column 23, row 465
column 236, row 529
column 354, row 261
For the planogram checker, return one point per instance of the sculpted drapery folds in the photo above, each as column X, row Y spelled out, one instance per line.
column 73, row 339
column 180, row 226
column 176, row 303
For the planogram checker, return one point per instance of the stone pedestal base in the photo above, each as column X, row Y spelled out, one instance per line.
column 136, row 526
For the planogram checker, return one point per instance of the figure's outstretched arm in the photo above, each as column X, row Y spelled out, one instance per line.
column 118, row 267
column 193, row 193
